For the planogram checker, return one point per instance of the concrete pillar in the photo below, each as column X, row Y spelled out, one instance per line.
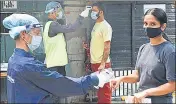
column 76, row 54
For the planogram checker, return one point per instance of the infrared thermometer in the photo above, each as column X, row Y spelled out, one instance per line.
column 89, row 7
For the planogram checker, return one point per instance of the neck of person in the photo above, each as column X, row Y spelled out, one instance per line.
column 52, row 18
column 157, row 40
column 22, row 45
column 100, row 19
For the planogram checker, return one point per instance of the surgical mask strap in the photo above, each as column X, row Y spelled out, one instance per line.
column 25, row 39
column 28, row 46
column 98, row 14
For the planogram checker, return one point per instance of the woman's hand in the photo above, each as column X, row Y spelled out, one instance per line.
column 114, row 83
column 139, row 96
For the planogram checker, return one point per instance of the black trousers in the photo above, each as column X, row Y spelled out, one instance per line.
column 59, row 69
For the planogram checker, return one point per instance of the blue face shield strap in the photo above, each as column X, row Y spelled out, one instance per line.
column 29, row 27
column 33, row 26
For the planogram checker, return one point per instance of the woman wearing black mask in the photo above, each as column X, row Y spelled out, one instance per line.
column 155, row 65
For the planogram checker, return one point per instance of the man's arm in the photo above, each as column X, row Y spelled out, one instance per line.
column 57, row 84
column 107, row 34
column 56, row 28
column 105, row 55
column 106, row 52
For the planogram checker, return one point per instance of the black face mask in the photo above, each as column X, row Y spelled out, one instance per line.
column 153, row 32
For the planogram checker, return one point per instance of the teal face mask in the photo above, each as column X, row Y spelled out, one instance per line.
column 59, row 12
column 59, row 15
column 94, row 15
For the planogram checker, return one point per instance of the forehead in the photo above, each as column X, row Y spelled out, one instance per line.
column 35, row 30
column 94, row 8
column 150, row 18
column 58, row 9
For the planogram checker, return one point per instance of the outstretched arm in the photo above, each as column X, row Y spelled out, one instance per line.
column 132, row 78
column 56, row 28
column 57, row 84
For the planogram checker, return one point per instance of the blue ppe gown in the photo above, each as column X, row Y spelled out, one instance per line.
column 29, row 81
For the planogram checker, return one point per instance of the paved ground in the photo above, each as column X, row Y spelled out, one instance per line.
column 116, row 100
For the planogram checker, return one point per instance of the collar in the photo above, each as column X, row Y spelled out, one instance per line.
column 50, row 19
column 22, row 52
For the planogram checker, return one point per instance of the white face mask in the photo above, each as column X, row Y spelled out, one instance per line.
column 94, row 15
column 60, row 15
column 35, row 42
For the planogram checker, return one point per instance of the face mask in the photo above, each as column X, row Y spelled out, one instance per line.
column 94, row 15
column 39, row 53
column 59, row 15
column 153, row 32
column 35, row 42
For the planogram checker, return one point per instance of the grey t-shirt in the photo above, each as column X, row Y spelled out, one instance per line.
column 56, row 27
column 156, row 66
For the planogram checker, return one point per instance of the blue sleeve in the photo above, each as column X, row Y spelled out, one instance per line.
column 170, row 67
column 57, row 84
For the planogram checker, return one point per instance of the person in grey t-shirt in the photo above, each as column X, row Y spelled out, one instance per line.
column 155, row 65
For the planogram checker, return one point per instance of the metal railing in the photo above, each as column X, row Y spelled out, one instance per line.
column 124, row 88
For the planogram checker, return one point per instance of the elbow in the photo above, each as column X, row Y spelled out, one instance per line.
column 172, row 86
column 136, row 79
column 72, row 29
column 135, row 75
column 107, row 50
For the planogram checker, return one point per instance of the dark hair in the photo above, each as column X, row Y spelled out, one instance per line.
column 16, row 37
column 161, row 16
column 99, row 5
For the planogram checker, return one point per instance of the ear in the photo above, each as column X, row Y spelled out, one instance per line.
column 101, row 12
column 22, row 34
column 163, row 27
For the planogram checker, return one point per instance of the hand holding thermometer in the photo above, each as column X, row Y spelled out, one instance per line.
column 89, row 7
column 85, row 13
